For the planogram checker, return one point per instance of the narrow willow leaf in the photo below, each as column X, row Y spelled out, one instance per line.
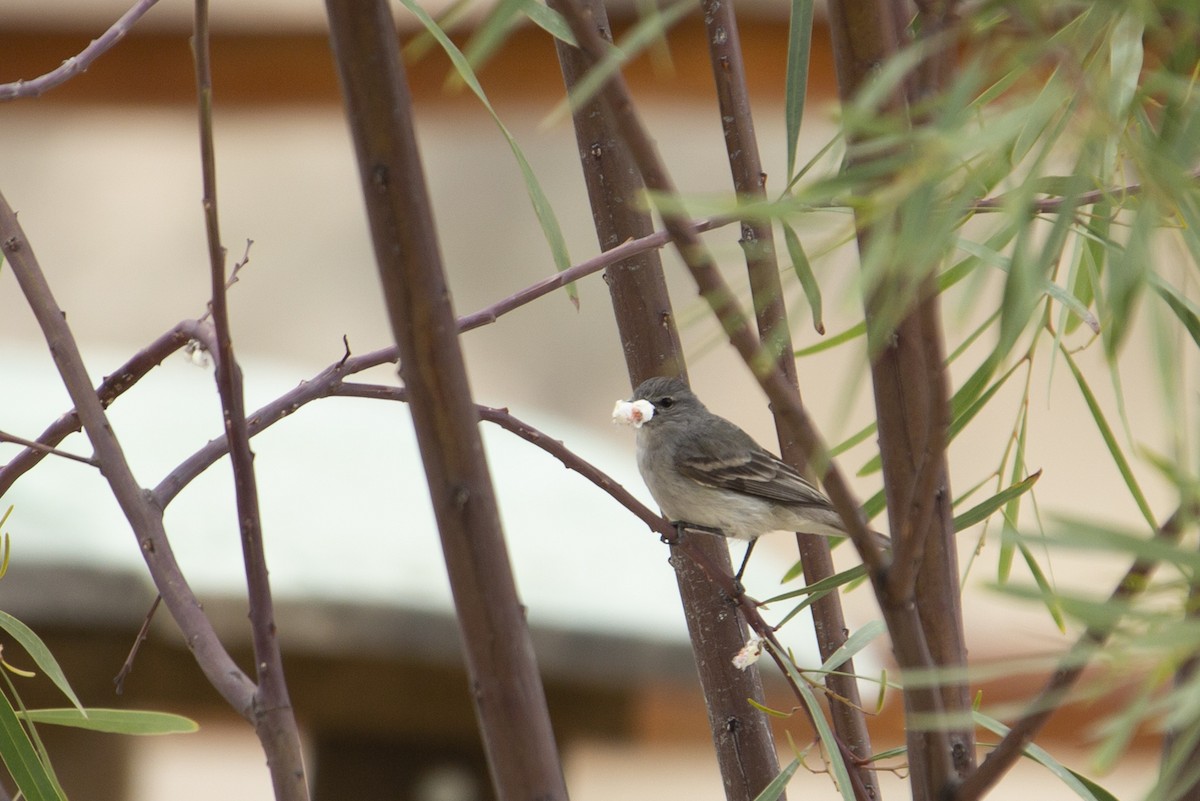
column 982, row 511
column 1110, row 440
column 775, row 789
column 115, row 721
column 800, row 26
column 850, row 334
column 874, row 505
column 1041, row 756
column 815, row 591
column 812, row 290
column 1126, row 276
column 837, row 765
column 32, row 777
column 491, row 32
column 645, row 33
column 1049, row 596
column 541, row 205
column 550, row 21
column 860, row 436
column 1093, row 256
column 775, row 713
column 1044, row 285
column 853, row 644
column 961, row 420
column 1009, row 538
column 1180, row 306
column 40, row 654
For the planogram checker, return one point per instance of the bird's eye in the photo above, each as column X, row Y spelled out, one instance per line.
column 667, row 402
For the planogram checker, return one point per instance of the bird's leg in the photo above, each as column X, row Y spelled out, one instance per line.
column 745, row 561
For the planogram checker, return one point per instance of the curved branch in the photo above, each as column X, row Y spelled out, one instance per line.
column 78, row 63
column 109, row 390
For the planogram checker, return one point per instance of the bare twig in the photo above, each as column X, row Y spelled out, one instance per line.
column 595, row 264
column 1050, row 205
column 273, row 718
column 127, row 666
column 78, row 63
column 46, row 449
column 109, row 390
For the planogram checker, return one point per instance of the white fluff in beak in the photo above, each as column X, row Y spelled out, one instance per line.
column 632, row 414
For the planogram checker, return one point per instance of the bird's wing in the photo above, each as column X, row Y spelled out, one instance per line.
column 752, row 470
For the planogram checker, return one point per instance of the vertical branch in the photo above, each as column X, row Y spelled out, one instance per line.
column 757, row 241
column 505, row 686
column 912, row 406
column 273, row 717
column 744, row 745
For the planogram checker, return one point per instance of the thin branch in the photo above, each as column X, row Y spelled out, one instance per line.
column 762, row 266
column 109, row 390
column 127, row 666
column 595, row 264
column 273, row 718
column 145, row 518
column 78, row 63
column 1050, row 205
column 1071, row 667
column 46, row 449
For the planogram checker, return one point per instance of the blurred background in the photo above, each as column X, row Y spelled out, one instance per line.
column 104, row 173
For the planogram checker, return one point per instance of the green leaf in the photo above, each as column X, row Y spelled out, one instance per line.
column 541, row 205
column 853, row 644
column 1181, row 306
column 1068, row 777
column 812, row 290
column 40, row 654
column 1049, row 596
column 550, row 21
column 490, row 33
column 1110, row 440
column 860, row 436
column 800, row 26
column 982, row 511
column 115, row 721
column 851, row 333
column 32, row 777
column 775, row 789
column 641, row 36
column 837, row 765
column 815, row 591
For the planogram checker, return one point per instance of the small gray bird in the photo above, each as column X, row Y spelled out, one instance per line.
column 705, row 471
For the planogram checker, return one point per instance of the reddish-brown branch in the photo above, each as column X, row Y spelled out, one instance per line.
column 762, row 265
column 273, row 718
column 745, row 749
column 506, row 687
